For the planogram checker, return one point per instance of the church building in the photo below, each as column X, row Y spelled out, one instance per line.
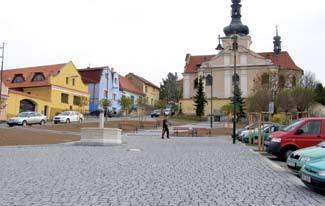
column 253, row 70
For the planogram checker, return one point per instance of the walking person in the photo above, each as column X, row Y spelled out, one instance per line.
column 165, row 129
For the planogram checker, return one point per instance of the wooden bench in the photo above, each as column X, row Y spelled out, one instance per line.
column 201, row 132
column 128, row 126
column 148, row 125
column 185, row 130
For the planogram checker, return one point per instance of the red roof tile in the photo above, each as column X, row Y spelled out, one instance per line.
column 91, row 75
column 194, row 61
column 283, row 60
column 143, row 80
column 28, row 74
column 127, row 85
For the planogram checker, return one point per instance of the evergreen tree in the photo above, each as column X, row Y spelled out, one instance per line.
column 239, row 101
column 320, row 93
column 200, row 99
column 168, row 89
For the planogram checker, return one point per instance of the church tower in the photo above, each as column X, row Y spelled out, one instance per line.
column 236, row 26
column 277, row 43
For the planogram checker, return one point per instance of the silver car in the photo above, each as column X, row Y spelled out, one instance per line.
column 27, row 118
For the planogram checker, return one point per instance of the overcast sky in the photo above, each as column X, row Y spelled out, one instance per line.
column 152, row 37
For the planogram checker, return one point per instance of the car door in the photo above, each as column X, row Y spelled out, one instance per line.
column 309, row 134
column 31, row 118
column 74, row 116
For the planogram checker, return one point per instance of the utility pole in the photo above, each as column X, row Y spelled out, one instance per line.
column 1, row 71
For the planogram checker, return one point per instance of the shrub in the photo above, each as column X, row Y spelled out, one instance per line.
column 279, row 118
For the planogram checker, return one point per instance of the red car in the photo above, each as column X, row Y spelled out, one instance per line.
column 303, row 133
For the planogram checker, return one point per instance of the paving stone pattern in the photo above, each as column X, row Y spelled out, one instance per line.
column 179, row 171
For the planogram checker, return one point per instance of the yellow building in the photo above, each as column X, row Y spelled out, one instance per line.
column 3, row 102
column 150, row 90
column 47, row 89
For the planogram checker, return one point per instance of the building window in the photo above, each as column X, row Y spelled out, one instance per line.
column 281, row 81
column 39, row 76
column 64, row 98
column 73, row 82
column 196, row 83
column 209, row 80
column 67, row 80
column 106, row 94
column 18, row 78
column 115, row 81
column 151, row 101
column 265, row 79
column 76, row 100
column 146, row 88
column 114, row 96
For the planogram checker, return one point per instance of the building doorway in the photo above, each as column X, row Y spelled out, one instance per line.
column 26, row 105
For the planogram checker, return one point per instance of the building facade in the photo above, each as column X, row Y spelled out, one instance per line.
column 254, row 69
column 128, row 89
column 103, row 83
column 150, row 90
column 3, row 102
column 46, row 89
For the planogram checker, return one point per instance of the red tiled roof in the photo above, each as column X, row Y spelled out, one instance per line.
column 191, row 66
column 91, row 75
column 143, row 80
column 283, row 60
column 127, row 85
column 28, row 74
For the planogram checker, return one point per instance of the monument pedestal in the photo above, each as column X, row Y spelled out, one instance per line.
column 100, row 136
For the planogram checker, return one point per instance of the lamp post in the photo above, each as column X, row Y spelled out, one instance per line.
column 235, row 48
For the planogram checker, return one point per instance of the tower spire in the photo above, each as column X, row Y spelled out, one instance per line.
column 277, row 42
column 236, row 26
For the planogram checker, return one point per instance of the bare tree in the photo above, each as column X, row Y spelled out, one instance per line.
column 284, row 100
column 308, row 80
column 303, row 98
column 259, row 101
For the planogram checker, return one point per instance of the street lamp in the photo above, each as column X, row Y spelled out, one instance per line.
column 235, row 48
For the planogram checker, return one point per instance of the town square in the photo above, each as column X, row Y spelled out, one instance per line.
column 165, row 103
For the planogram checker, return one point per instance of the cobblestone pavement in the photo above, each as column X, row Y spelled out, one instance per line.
column 179, row 171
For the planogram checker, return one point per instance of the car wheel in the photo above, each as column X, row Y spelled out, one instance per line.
column 68, row 121
column 24, row 123
column 42, row 122
column 55, row 122
column 10, row 125
column 80, row 120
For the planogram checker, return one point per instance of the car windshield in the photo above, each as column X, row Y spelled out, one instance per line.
column 64, row 114
column 292, row 126
column 24, row 114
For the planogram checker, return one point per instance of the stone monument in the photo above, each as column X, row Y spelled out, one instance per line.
column 100, row 135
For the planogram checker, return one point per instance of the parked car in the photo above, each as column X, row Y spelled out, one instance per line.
column 301, row 134
column 27, row 118
column 266, row 131
column 155, row 113
column 168, row 111
column 68, row 117
column 253, row 127
column 298, row 158
column 313, row 174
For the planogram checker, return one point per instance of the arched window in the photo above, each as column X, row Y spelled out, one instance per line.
column 209, row 80
column 39, row 76
column 294, row 82
column 196, row 83
column 265, row 79
column 18, row 78
column 281, row 81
